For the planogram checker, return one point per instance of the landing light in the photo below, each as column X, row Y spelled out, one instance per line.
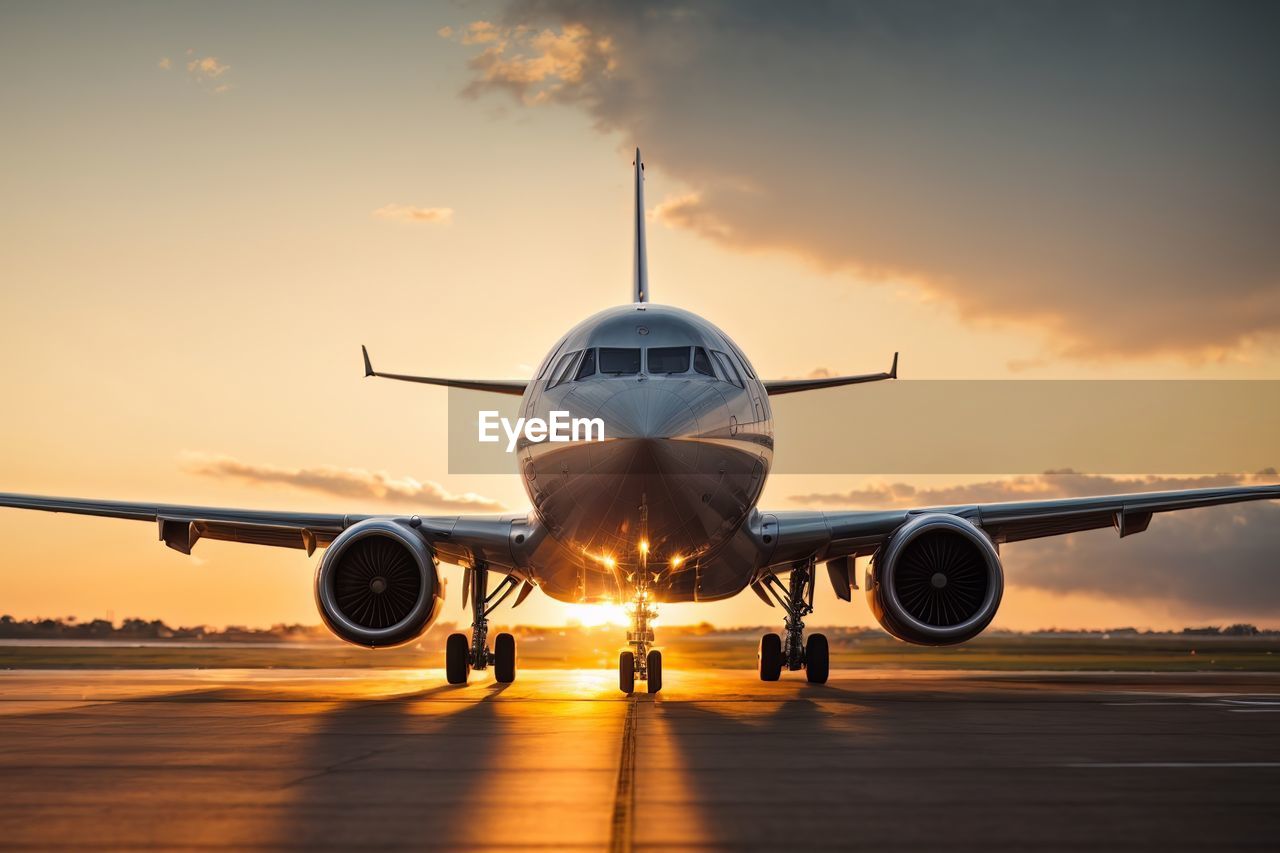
column 644, row 546
column 676, row 561
column 602, row 558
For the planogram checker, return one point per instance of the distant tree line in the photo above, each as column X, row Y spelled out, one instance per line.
column 69, row 628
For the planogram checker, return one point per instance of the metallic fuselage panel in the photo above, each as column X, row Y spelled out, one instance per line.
column 682, row 464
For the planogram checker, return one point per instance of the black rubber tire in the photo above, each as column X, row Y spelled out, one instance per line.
column 817, row 659
column 627, row 672
column 654, row 683
column 504, row 658
column 769, row 657
column 457, row 654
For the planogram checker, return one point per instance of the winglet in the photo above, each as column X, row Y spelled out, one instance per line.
column 368, row 365
column 893, row 371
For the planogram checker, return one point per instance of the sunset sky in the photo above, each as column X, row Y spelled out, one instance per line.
column 205, row 210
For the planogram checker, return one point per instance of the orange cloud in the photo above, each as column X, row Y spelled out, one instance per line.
column 207, row 68
column 409, row 213
column 342, row 482
column 537, row 65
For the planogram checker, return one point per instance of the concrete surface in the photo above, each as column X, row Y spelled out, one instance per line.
column 560, row 760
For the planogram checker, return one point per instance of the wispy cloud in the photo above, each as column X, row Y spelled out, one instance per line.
column 207, row 68
column 410, row 213
column 1052, row 484
column 207, row 72
column 535, row 65
column 356, row 483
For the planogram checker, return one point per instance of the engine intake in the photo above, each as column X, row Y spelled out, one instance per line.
column 937, row 581
column 377, row 584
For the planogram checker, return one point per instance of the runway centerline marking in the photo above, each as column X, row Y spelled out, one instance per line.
column 624, row 797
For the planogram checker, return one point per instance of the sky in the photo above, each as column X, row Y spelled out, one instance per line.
column 205, row 210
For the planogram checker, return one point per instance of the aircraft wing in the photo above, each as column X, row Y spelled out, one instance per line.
column 497, row 386
column 830, row 535
column 456, row 539
column 791, row 386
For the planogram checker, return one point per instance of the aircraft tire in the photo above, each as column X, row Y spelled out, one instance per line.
column 769, row 657
column 817, row 659
column 504, row 658
column 456, row 651
column 627, row 672
column 654, row 682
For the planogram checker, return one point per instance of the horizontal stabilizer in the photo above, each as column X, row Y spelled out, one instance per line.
column 790, row 386
column 497, row 386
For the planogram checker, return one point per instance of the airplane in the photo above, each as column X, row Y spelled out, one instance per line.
column 663, row 509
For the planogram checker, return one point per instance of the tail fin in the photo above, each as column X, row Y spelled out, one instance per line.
column 640, row 288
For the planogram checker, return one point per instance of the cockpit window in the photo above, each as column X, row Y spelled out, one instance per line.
column 726, row 367
column 668, row 360
column 742, row 359
column 701, row 363
column 588, row 366
column 619, row 361
column 563, row 367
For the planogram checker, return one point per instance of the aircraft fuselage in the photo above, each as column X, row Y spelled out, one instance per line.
column 688, row 443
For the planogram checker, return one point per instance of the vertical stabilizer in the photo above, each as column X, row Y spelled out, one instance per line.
column 640, row 287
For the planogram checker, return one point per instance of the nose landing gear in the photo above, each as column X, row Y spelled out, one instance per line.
column 796, row 598
column 640, row 662
column 461, row 655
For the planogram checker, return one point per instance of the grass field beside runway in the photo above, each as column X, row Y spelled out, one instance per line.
column 576, row 648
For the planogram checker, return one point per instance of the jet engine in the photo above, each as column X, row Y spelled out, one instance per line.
column 377, row 584
column 937, row 581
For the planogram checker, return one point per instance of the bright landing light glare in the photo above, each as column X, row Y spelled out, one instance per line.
column 595, row 615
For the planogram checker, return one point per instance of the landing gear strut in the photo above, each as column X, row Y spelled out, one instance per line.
column 641, row 661
column 796, row 599
column 461, row 655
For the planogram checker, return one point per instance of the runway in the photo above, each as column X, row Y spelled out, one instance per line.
column 560, row 760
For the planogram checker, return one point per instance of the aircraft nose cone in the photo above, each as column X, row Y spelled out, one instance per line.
column 649, row 412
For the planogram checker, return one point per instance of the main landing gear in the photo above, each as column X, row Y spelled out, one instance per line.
column 796, row 598
column 461, row 656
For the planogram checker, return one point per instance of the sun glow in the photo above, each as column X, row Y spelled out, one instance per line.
column 595, row 615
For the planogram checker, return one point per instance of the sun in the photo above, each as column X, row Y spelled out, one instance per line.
column 595, row 615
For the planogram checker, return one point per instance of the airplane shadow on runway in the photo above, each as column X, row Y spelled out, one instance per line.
column 252, row 767
column 397, row 771
column 826, row 766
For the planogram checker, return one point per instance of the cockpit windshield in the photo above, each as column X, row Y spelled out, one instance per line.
column 668, row 360
column 619, row 361
column 658, row 361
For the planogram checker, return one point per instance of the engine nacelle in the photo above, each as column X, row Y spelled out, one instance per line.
column 937, row 581
column 377, row 584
